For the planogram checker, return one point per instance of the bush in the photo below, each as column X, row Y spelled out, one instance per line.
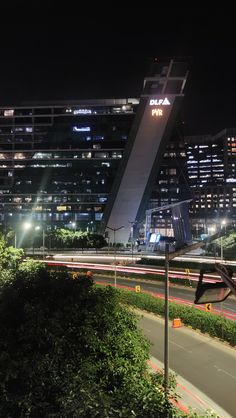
column 69, row 349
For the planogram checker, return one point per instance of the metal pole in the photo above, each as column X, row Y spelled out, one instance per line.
column 166, row 347
column 43, row 242
column 221, row 248
column 132, row 243
column 115, row 253
column 15, row 240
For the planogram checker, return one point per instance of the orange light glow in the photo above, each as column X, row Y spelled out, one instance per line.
column 157, row 112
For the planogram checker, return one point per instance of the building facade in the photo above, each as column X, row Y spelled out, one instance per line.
column 88, row 163
column 203, row 168
column 102, row 163
column 58, row 162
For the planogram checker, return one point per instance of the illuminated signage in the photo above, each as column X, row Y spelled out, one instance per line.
column 82, row 111
column 82, row 129
column 159, row 102
column 157, row 112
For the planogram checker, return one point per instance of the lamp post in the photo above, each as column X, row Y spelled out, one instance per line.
column 37, row 228
column 166, row 340
column 73, row 225
column 27, row 226
column 223, row 223
column 114, row 232
column 132, row 223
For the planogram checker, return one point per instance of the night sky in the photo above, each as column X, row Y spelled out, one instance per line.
column 53, row 52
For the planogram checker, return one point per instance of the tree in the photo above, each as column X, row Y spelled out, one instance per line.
column 76, row 239
column 10, row 257
column 69, row 349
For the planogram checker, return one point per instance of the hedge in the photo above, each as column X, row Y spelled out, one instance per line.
column 214, row 325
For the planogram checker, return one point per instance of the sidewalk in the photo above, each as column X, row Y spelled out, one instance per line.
column 191, row 397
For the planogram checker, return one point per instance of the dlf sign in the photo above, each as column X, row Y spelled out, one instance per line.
column 159, row 102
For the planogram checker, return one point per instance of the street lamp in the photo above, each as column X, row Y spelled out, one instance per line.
column 132, row 223
column 166, row 325
column 90, row 226
column 114, row 242
column 223, row 223
column 25, row 226
column 37, row 228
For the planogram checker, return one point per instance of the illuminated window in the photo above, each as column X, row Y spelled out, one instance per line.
column 116, row 154
column 82, row 111
column 81, row 129
column 9, row 112
column 42, row 155
column 61, row 208
column 98, row 216
column 101, row 155
column 19, row 156
column 86, row 155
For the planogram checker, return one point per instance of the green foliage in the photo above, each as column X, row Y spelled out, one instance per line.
column 228, row 243
column 65, row 238
column 10, row 257
column 69, row 349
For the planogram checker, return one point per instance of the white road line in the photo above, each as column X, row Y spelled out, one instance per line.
column 180, row 346
column 223, row 371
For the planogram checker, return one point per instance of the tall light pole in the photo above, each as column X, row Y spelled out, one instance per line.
column 223, row 223
column 114, row 232
column 26, row 227
column 37, row 228
column 132, row 223
column 166, row 343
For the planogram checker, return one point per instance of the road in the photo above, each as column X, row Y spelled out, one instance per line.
column 208, row 364
column 109, row 257
column 181, row 293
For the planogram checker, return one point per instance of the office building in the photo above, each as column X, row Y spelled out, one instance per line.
column 88, row 163
column 203, row 166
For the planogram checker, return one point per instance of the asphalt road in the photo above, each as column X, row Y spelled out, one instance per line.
column 208, row 364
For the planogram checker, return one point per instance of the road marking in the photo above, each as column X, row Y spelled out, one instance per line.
column 180, row 346
column 223, row 371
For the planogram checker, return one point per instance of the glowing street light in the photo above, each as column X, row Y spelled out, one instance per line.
column 27, row 226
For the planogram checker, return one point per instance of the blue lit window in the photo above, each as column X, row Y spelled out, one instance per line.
column 81, row 128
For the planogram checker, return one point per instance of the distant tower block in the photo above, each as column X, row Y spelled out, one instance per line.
column 160, row 101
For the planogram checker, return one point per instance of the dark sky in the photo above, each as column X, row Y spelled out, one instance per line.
column 58, row 52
